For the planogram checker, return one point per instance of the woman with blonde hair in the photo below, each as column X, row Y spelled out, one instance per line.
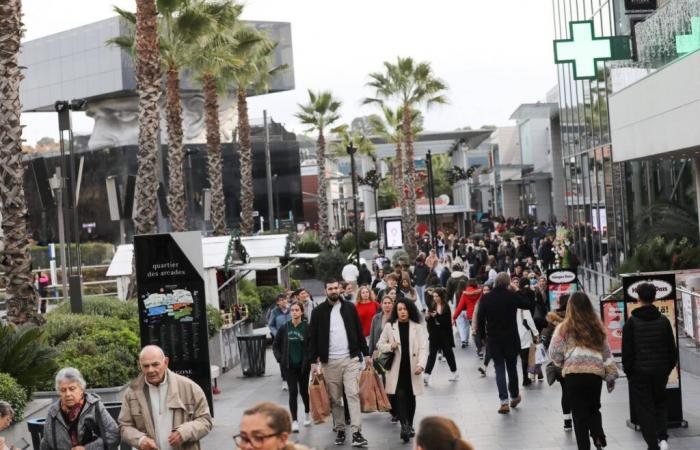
column 265, row 426
column 580, row 348
column 367, row 307
column 440, row 433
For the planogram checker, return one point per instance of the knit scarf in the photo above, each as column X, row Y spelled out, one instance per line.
column 71, row 415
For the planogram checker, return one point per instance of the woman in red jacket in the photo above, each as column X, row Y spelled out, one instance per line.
column 366, row 306
column 467, row 301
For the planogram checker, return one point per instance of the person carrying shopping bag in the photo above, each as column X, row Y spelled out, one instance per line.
column 580, row 347
column 529, row 336
column 405, row 336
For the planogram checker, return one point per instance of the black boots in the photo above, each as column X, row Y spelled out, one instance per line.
column 405, row 432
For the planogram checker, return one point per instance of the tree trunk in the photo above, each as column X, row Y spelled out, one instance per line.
column 177, row 205
column 148, row 78
column 246, row 158
column 399, row 182
column 214, row 159
column 21, row 296
column 323, row 229
column 409, row 238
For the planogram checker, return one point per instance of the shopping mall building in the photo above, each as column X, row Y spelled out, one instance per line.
column 630, row 136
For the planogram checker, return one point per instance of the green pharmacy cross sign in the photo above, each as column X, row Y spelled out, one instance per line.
column 584, row 50
column 689, row 43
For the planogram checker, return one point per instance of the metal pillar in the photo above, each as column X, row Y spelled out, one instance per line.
column 268, row 174
column 351, row 151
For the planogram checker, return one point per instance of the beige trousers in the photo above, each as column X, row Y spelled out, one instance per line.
column 339, row 374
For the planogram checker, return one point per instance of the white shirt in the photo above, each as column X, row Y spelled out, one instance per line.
column 350, row 273
column 338, row 346
column 162, row 415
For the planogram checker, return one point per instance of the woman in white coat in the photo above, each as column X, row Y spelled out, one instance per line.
column 528, row 335
column 406, row 336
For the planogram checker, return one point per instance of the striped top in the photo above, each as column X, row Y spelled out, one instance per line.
column 574, row 359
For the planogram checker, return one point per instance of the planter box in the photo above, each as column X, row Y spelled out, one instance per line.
column 111, row 394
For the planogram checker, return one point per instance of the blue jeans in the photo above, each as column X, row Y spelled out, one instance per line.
column 503, row 361
column 463, row 326
column 420, row 292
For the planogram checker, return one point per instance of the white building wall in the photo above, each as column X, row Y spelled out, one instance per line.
column 511, row 200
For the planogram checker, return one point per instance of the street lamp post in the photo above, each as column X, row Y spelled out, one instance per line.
column 351, row 151
column 431, row 199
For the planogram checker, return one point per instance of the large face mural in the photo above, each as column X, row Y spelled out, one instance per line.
column 116, row 121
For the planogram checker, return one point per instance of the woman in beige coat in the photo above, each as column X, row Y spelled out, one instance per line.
column 406, row 337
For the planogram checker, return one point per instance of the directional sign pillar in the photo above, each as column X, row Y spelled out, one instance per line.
column 584, row 49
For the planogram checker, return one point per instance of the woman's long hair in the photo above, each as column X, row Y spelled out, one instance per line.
column 440, row 433
column 358, row 296
column 582, row 324
column 413, row 314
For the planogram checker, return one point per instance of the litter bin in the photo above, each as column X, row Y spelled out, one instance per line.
column 36, row 429
column 251, row 347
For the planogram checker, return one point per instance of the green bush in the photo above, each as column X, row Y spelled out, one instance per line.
column 214, row 321
column 12, row 393
column 91, row 254
column 248, row 295
column 367, row 237
column 659, row 254
column 329, row 264
column 268, row 295
column 104, row 306
column 308, row 243
column 294, row 284
column 25, row 355
column 61, row 327
column 400, row 256
column 347, row 243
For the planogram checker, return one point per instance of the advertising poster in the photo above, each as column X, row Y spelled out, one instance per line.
column 613, row 313
column 665, row 284
column 172, row 304
column 393, row 233
column 687, row 300
column 560, row 282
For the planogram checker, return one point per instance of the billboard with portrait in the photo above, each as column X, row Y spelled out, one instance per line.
column 613, row 315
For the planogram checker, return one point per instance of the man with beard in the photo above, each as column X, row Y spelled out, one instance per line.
column 336, row 344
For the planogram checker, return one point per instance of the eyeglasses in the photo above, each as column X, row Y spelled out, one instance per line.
column 253, row 441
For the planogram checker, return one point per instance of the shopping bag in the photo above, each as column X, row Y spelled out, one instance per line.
column 383, row 403
column 319, row 400
column 541, row 356
column 531, row 356
column 368, row 396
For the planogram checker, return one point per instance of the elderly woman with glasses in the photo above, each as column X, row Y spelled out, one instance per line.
column 77, row 420
column 265, row 426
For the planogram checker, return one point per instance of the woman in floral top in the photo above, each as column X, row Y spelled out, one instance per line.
column 580, row 348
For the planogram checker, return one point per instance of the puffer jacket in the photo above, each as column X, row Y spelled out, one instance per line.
column 278, row 318
column 648, row 343
column 96, row 428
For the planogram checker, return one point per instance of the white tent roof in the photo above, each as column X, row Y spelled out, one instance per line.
column 214, row 251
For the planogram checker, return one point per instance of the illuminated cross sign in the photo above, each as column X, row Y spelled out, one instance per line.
column 584, row 50
column 689, row 43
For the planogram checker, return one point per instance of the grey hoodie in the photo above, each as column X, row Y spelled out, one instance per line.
column 95, row 423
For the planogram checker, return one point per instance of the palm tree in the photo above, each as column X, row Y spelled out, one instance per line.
column 255, row 51
column 348, row 136
column 180, row 25
column 411, row 85
column 321, row 113
column 210, row 58
column 21, row 296
column 148, row 74
column 390, row 128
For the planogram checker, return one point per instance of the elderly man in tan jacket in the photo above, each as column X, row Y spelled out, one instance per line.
column 161, row 409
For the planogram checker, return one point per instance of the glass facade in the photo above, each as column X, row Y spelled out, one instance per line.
column 594, row 200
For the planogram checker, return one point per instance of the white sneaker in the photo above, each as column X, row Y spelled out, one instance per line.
column 426, row 379
column 284, row 386
column 454, row 376
column 295, row 427
column 307, row 420
column 663, row 445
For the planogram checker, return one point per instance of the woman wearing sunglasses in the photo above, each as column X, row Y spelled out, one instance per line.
column 265, row 426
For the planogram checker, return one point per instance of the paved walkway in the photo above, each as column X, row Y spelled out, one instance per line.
column 471, row 402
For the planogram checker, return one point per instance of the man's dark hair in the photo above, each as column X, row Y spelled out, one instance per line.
column 646, row 292
column 281, row 297
column 413, row 314
column 329, row 281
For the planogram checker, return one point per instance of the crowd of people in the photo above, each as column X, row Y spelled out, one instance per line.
column 491, row 294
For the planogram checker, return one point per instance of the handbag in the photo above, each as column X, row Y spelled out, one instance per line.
column 382, row 363
column 553, row 373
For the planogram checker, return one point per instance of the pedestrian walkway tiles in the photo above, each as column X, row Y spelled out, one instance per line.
column 471, row 402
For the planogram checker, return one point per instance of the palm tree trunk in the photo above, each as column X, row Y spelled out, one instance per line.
column 21, row 296
column 399, row 181
column 177, row 204
column 409, row 238
column 323, row 229
column 214, row 159
column 148, row 77
column 246, row 157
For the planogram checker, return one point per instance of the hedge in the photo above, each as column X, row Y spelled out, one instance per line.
column 12, row 393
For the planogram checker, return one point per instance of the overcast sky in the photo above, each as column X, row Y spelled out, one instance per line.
column 493, row 54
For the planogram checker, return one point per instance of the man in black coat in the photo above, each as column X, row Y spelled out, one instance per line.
column 649, row 356
column 496, row 321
